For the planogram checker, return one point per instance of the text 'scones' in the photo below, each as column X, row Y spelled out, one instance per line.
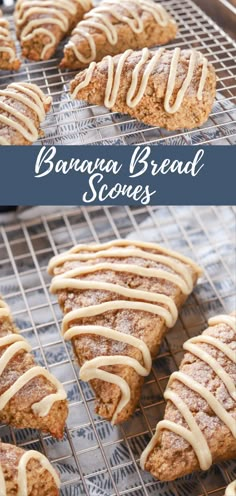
column 199, row 426
column 29, row 395
column 119, row 298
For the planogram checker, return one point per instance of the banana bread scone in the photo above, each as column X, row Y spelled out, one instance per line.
column 23, row 107
column 173, row 89
column 119, row 298
column 114, row 26
column 231, row 489
column 42, row 24
column 26, row 473
column 29, row 395
column 8, row 57
column 199, row 426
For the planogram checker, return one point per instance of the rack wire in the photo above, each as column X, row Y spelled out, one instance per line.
column 94, row 458
column 73, row 122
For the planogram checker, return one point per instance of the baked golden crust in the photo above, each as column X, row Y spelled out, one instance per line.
column 153, row 106
column 173, row 456
column 23, row 106
column 39, row 41
column 39, row 480
column 18, row 411
column 8, row 57
column 152, row 32
column 138, row 323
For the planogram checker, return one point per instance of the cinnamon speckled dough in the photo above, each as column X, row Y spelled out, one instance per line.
column 152, row 34
column 14, row 136
column 39, row 481
column 150, row 110
column 173, row 457
column 17, row 411
column 8, row 59
column 32, row 47
column 151, row 328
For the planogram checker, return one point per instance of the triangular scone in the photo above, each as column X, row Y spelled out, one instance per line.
column 199, row 426
column 113, row 26
column 231, row 489
column 23, row 107
column 42, row 24
column 26, row 473
column 8, row 57
column 119, row 299
column 173, row 89
column 29, row 395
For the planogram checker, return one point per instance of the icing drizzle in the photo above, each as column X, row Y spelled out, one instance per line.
column 193, row 434
column 22, row 472
column 6, row 39
column 32, row 98
column 16, row 343
column 142, row 71
column 155, row 303
column 35, row 15
column 100, row 19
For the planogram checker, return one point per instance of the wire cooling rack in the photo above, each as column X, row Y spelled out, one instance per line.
column 77, row 123
column 94, row 458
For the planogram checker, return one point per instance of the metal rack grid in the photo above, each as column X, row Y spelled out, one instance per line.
column 94, row 458
column 77, row 123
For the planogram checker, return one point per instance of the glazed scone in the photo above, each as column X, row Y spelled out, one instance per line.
column 119, row 299
column 23, row 107
column 42, row 24
column 30, row 397
column 8, row 57
column 173, row 89
column 199, row 426
column 26, row 473
column 113, row 26
column 231, row 489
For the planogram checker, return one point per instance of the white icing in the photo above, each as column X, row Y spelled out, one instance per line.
column 148, row 63
column 60, row 283
column 22, row 472
column 15, row 343
column 3, row 141
column 212, row 362
column 10, row 51
column 5, row 36
column 102, row 19
column 43, row 407
column 231, row 489
column 33, row 98
column 123, row 243
column 68, row 280
column 229, row 320
column 38, row 14
column 135, row 93
column 136, row 269
column 193, row 434
column 93, row 310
